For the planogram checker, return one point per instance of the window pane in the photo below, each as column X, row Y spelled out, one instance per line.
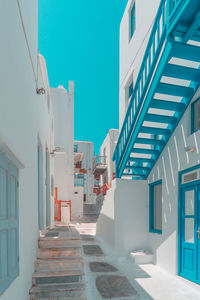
column 197, row 116
column 189, row 230
column 189, row 203
column 158, row 207
column 132, row 20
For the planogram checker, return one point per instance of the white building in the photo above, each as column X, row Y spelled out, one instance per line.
column 86, row 149
column 27, row 149
column 26, row 140
column 158, row 147
column 63, row 108
column 107, row 150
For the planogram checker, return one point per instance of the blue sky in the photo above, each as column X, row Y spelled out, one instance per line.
column 80, row 41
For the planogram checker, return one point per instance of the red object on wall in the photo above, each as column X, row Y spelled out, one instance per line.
column 97, row 189
column 78, row 165
column 105, row 188
column 57, row 206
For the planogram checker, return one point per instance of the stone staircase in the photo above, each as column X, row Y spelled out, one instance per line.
column 59, row 268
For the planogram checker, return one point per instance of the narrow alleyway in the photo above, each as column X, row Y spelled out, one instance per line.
column 72, row 263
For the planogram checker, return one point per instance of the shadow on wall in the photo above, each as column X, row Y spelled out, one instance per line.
column 105, row 229
column 173, row 159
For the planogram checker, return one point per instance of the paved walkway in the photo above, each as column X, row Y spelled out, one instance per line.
column 111, row 277
column 73, row 264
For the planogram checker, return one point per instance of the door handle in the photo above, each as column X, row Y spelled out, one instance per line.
column 198, row 231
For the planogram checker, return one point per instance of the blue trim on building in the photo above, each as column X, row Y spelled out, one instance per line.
column 79, row 180
column 169, row 12
column 9, row 222
column 180, row 187
column 151, row 207
column 132, row 21
column 192, row 116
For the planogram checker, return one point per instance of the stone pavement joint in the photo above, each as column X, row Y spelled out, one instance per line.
column 102, row 267
column 93, row 250
column 110, row 286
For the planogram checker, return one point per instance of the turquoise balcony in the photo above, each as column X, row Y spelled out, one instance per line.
column 79, row 180
column 167, row 81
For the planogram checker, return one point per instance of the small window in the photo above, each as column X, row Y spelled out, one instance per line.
column 132, row 21
column 195, row 115
column 9, row 223
column 76, row 148
column 155, row 205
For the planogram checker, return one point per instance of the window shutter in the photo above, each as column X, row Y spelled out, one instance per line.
column 9, row 223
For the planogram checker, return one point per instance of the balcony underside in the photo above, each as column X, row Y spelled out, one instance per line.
column 99, row 170
column 175, row 79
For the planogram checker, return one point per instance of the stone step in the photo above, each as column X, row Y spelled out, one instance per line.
column 58, row 253
column 58, row 298
column 87, row 231
column 53, row 265
column 70, row 291
column 70, row 276
column 59, row 243
column 80, row 286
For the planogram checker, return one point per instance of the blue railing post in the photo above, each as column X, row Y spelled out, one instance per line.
column 170, row 4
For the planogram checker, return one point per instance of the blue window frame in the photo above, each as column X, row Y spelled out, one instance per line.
column 9, row 223
column 195, row 116
column 132, row 20
column 155, row 207
column 75, row 147
column 79, row 180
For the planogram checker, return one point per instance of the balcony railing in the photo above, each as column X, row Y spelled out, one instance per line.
column 99, row 161
column 101, row 189
column 166, row 9
column 79, row 180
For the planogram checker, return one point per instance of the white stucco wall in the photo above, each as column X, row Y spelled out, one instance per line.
column 63, row 108
column 24, row 116
column 88, row 149
column 77, row 207
column 109, row 145
column 132, row 51
column 118, row 223
column 173, row 159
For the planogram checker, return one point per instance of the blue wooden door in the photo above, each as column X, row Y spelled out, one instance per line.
column 9, row 223
column 190, row 237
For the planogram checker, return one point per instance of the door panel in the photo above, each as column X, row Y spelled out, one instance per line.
column 189, row 238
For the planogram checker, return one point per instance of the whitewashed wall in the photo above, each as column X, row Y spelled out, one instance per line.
column 132, row 51
column 88, row 149
column 118, row 224
column 63, row 108
column 24, row 116
column 77, row 207
column 109, row 145
column 173, row 159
